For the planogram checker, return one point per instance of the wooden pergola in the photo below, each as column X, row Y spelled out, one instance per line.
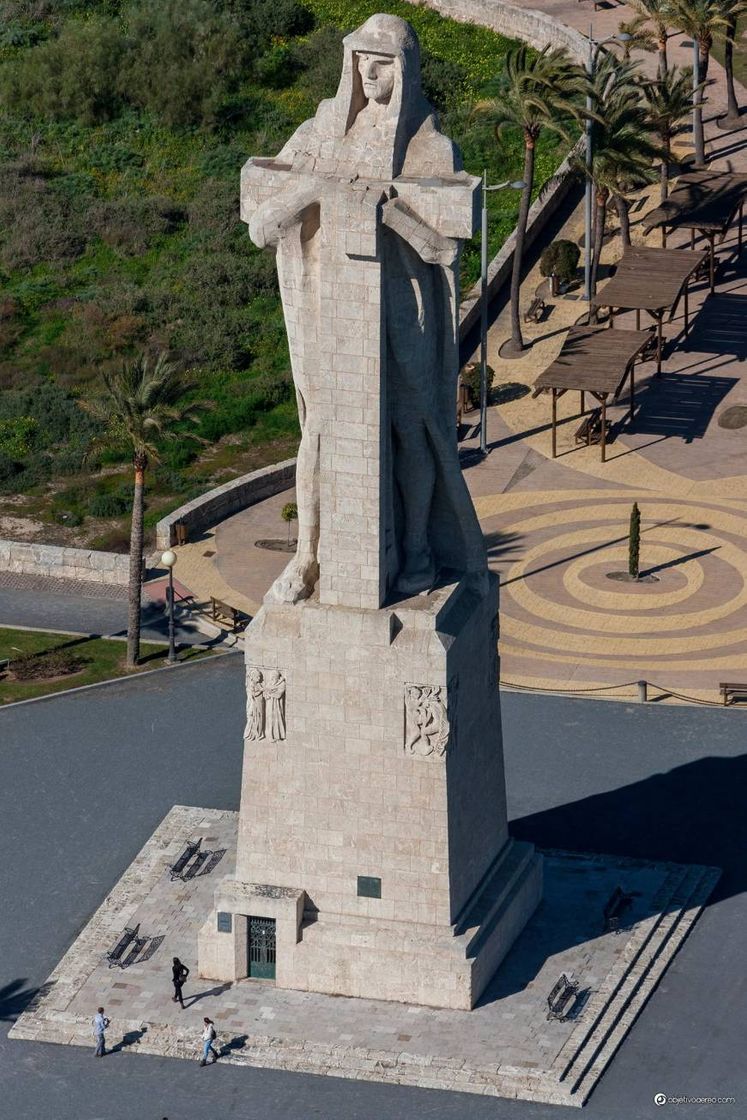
column 594, row 361
column 705, row 202
column 650, row 280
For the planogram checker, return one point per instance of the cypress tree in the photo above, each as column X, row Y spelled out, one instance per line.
column 634, row 541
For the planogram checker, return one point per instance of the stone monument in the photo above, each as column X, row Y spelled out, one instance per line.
column 373, row 851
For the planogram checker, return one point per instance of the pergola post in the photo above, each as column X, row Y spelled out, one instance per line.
column 659, row 318
column 554, row 422
column 632, row 393
column 687, row 307
column 604, row 428
column 741, row 207
column 711, row 242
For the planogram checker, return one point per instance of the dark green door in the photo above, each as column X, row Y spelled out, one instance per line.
column 262, row 948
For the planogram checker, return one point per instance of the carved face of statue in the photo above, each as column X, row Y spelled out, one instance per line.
column 377, row 76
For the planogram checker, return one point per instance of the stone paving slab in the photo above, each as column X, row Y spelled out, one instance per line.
column 505, row 1047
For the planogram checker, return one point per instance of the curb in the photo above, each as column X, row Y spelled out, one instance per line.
column 116, row 680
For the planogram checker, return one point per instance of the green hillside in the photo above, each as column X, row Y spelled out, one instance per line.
column 122, row 130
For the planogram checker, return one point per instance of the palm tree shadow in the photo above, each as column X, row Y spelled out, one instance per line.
column 502, row 546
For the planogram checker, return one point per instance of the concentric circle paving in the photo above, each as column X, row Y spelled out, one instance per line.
column 565, row 625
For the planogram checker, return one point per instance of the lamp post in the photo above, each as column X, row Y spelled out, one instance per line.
column 168, row 560
column 515, row 185
column 591, row 66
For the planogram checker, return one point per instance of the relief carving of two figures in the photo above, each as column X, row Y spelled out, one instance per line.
column 265, row 705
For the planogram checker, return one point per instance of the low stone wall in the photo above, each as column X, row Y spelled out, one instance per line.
column 225, row 500
column 64, row 563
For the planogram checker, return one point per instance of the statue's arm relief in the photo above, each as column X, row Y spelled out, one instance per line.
column 430, row 245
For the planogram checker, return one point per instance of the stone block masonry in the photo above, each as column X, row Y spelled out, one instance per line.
column 55, row 562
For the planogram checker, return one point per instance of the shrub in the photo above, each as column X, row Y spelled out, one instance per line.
column 470, row 376
column 72, row 77
column 560, row 259
column 444, row 82
column 48, row 663
column 108, row 505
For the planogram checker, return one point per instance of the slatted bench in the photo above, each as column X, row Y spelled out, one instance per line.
column 128, row 938
column 535, row 311
column 731, row 690
column 617, row 904
column 177, row 868
column 560, row 998
column 222, row 612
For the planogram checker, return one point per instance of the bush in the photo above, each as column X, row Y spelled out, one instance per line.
column 444, row 82
column 108, row 505
column 72, row 77
column 49, row 663
column 560, row 259
column 470, row 376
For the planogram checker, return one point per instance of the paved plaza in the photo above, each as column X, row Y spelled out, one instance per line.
column 649, row 783
column 507, row 1046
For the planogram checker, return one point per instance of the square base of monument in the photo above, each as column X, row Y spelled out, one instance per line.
column 367, row 957
column 504, row 1047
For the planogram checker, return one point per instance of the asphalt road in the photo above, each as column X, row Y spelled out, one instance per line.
column 85, row 779
column 45, row 610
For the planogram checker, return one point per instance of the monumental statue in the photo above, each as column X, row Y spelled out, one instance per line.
column 371, row 178
column 373, row 853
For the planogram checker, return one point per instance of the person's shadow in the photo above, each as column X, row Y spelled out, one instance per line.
column 128, row 1039
column 218, row 991
column 236, row 1043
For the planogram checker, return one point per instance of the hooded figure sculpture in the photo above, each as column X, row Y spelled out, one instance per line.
column 375, row 151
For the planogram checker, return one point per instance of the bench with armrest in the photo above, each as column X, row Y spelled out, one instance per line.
column 222, row 612
column 590, row 429
column 561, row 997
column 730, row 691
column 176, row 869
column 535, row 311
column 128, row 938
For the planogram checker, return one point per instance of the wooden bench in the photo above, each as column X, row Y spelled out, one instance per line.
column 129, row 937
column 590, row 429
column 730, row 690
column 535, row 311
column 177, row 868
column 222, row 612
column 617, row 904
column 563, row 993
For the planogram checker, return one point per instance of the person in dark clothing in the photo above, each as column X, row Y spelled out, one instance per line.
column 179, row 974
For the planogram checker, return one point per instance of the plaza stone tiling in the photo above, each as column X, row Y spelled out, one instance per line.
column 504, row 1047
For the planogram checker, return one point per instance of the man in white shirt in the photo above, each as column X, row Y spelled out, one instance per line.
column 100, row 1023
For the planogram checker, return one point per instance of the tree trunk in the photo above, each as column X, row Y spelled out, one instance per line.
column 517, row 342
column 665, row 169
column 601, row 214
column 135, row 585
column 732, row 107
column 623, row 207
column 698, row 140
column 663, row 62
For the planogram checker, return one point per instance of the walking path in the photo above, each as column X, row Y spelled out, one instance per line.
column 557, row 528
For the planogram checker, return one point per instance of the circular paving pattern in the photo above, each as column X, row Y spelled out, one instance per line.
column 564, row 623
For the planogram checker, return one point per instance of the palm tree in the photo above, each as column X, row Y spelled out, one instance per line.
column 144, row 401
column 657, row 14
column 623, row 148
column 640, row 35
column 669, row 102
column 732, row 10
column 700, row 19
column 539, row 92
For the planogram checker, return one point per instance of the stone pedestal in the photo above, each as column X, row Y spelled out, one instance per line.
column 374, row 832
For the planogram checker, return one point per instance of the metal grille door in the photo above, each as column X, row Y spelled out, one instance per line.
column 262, row 948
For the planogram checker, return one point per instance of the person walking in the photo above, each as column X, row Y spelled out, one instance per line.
column 179, row 974
column 208, row 1038
column 100, row 1023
